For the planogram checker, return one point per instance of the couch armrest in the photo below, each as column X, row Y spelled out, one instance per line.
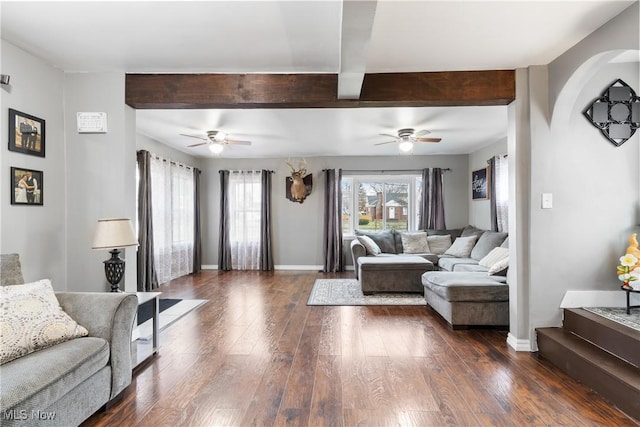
column 357, row 250
column 109, row 316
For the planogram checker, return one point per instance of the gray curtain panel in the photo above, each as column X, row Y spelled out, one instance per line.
column 266, row 254
column 492, row 192
column 332, row 239
column 147, row 278
column 224, row 246
column 197, row 237
column 431, row 209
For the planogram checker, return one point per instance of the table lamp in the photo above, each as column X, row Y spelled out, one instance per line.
column 114, row 234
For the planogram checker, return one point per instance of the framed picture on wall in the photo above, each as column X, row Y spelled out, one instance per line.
column 26, row 133
column 26, row 187
column 480, row 184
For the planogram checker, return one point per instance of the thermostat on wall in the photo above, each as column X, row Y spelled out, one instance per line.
column 92, row 122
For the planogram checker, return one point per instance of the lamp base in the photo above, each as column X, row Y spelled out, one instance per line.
column 114, row 269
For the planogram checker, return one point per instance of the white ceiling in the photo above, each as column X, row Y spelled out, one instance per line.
column 307, row 37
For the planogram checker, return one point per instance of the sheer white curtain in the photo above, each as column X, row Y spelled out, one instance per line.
column 502, row 192
column 172, row 194
column 244, row 219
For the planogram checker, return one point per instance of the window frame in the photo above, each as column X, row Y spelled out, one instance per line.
column 412, row 179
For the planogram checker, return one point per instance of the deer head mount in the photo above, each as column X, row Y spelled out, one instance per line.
column 298, row 186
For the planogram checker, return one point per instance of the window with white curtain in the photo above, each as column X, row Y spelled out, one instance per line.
column 172, row 194
column 502, row 192
column 245, row 195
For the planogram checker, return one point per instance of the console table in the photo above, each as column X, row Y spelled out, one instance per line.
column 629, row 292
column 142, row 350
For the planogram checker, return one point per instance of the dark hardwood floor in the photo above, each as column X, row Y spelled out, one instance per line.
column 256, row 354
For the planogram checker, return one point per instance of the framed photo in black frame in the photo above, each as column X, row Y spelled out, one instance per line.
column 26, row 187
column 26, row 133
column 480, row 184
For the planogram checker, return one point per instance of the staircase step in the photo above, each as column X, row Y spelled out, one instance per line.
column 618, row 339
column 611, row 377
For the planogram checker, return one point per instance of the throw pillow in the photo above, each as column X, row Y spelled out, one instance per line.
column 462, row 247
column 486, row 242
column 470, row 230
column 439, row 243
column 496, row 254
column 32, row 319
column 415, row 242
column 499, row 268
column 371, row 247
column 384, row 239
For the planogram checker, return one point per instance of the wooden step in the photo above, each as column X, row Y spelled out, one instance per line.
column 611, row 377
column 611, row 336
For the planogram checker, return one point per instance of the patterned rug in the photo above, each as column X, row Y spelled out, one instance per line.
column 347, row 292
column 618, row 315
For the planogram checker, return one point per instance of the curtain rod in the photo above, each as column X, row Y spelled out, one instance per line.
column 248, row 171
column 387, row 170
column 504, row 155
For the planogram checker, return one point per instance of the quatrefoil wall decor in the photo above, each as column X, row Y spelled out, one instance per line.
column 616, row 113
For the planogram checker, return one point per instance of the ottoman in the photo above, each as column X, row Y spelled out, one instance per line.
column 392, row 273
column 468, row 298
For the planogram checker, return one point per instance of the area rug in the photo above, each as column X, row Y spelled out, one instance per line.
column 348, row 292
column 144, row 331
column 618, row 315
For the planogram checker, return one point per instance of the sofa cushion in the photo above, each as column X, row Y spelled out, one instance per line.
column 415, row 242
column 370, row 246
column 463, row 286
column 453, row 232
column 505, row 244
column 52, row 372
column 499, row 268
column 10, row 270
column 32, row 319
column 496, row 254
column 384, row 239
column 449, row 263
column 462, row 247
column 470, row 230
column 438, row 244
column 486, row 242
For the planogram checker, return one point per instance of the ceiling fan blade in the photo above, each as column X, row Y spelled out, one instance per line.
column 389, row 135
column 199, row 144
column 428, row 139
column 423, row 132
column 195, row 136
column 383, row 143
column 237, row 142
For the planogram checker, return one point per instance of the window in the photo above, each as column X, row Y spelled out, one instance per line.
column 245, row 195
column 379, row 202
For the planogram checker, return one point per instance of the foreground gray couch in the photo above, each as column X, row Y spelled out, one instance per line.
column 65, row 384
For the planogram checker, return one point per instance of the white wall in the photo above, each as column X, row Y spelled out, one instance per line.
column 37, row 233
column 480, row 210
column 297, row 228
column 595, row 186
column 100, row 175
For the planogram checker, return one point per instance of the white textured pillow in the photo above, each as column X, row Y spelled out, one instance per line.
column 439, row 243
column 31, row 319
column 496, row 254
column 371, row 246
column 415, row 242
column 499, row 268
column 462, row 247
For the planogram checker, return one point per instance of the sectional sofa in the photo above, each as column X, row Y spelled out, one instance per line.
column 463, row 271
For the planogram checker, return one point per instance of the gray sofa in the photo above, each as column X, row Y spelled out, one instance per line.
column 65, row 384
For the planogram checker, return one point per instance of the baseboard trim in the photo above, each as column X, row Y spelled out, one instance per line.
column 298, row 267
column 519, row 344
column 210, row 267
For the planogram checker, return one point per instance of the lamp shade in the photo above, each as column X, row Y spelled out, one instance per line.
column 113, row 233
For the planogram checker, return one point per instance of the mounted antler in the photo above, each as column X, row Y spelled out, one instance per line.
column 298, row 184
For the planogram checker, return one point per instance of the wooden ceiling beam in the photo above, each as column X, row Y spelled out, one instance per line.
column 184, row 91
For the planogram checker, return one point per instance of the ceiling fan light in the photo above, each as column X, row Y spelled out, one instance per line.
column 221, row 136
column 216, row 148
column 406, row 146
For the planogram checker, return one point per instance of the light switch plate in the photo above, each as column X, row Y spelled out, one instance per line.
column 547, row 200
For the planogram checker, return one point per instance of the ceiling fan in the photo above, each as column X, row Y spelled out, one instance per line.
column 407, row 137
column 216, row 139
